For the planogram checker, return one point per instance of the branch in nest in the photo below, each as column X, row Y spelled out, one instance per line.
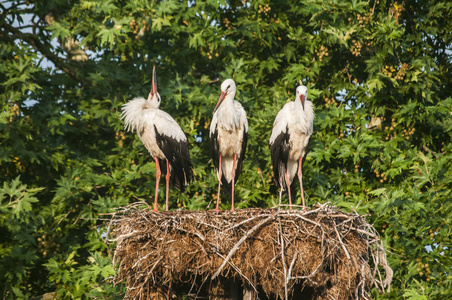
column 237, row 245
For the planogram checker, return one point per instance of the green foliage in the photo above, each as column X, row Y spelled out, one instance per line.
column 65, row 161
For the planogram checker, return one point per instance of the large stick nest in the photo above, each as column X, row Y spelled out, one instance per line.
column 277, row 252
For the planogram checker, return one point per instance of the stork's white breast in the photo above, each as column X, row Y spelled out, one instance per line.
column 230, row 141
column 298, row 144
column 147, row 136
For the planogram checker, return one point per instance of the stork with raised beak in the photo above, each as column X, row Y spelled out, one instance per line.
column 289, row 141
column 162, row 137
column 228, row 138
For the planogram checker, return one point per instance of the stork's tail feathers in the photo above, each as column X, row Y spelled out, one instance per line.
column 181, row 173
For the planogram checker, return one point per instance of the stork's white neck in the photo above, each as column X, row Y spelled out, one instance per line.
column 229, row 99
column 153, row 101
column 229, row 114
column 298, row 103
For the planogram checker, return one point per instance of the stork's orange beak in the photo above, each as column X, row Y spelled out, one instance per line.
column 302, row 100
column 222, row 95
column 154, row 83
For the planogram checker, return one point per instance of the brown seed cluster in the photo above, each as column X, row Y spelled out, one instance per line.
column 401, row 72
column 356, row 48
column 381, row 175
column 139, row 28
column 384, row 228
column 14, row 109
column 388, row 71
column 395, row 10
column 423, row 268
column 364, row 20
column 47, row 244
column 210, row 55
column 330, row 102
column 398, row 72
column 210, row 52
column 321, row 52
column 407, row 133
column 120, row 136
column 134, row 26
column 393, row 124
column 227, row 23
column 264, row 9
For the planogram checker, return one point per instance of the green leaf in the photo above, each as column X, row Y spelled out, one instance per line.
column 378, row 192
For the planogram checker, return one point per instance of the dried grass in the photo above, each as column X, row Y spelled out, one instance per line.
column 278, row 252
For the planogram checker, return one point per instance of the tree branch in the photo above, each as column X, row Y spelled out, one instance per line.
column 44, row 49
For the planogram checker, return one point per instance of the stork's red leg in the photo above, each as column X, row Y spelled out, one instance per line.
column 157, row 181
column 233, row 180
column 300, row 174
column 288, row 189
column 167, row 184
column 219, row 186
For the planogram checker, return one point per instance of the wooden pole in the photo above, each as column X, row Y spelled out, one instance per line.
column 248, row 292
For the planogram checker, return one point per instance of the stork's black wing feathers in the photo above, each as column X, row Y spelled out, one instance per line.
column 215, row 148
column 280, row 155
column 306, row 151
column 178, row 156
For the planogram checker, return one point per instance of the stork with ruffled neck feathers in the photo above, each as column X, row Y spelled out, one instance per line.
column 162, row 137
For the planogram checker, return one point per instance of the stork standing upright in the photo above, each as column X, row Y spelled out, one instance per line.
column 162, row 137
column 228, row 138
column 289, row 141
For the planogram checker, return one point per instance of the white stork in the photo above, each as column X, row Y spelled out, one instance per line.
column 289, row 141
column 162, row 137
column 228, row 138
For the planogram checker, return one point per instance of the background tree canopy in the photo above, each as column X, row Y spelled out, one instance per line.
column 378, row 72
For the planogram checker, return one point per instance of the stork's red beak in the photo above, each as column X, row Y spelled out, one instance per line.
column 154, row 83
column 302, row 100
column 222, row 95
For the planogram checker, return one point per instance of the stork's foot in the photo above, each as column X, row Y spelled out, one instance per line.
column 216, row 210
